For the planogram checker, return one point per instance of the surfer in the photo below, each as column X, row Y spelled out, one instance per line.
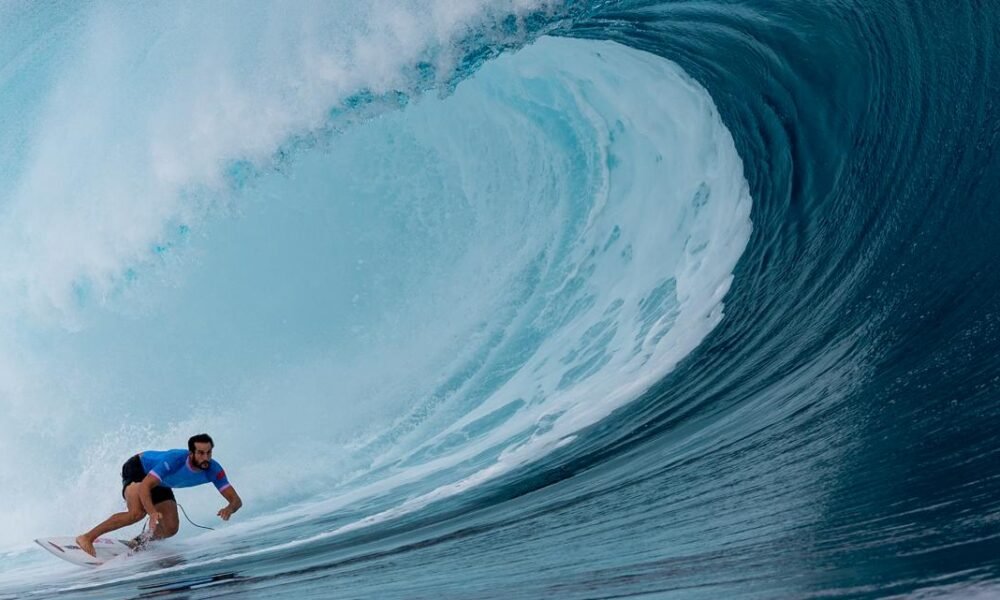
column 148, row 479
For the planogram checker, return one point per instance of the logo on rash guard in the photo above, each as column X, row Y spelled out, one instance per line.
column 221, row 475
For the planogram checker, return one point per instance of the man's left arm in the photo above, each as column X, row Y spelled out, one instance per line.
column 229, row 493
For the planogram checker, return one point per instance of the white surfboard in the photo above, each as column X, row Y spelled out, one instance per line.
column 66, row 549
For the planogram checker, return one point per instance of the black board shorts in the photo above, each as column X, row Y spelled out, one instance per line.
column 132, row 472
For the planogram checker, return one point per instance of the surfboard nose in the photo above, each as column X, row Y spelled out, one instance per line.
column 67, row 549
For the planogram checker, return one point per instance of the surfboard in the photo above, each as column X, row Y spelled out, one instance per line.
column 66, row 549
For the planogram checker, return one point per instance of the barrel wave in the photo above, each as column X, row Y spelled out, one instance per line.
column 507, row 298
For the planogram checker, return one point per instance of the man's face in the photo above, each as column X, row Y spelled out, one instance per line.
column 202, row 455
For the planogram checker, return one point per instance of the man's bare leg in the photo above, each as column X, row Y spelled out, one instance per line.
column 133, row 514
column 169, row 522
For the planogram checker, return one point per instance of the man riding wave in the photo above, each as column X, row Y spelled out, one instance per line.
column 148, row 479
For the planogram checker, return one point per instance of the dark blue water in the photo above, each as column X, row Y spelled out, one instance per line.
column 834, row 435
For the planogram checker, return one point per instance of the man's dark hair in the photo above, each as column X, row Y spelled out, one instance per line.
column 201, row 438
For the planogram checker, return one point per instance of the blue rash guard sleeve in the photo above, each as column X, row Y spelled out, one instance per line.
column 218, row 477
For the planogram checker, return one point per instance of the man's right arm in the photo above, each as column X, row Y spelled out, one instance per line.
column 146, row 499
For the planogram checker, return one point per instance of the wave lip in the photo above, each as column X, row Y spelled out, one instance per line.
column 152, row 113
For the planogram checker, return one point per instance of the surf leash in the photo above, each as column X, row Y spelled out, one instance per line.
column 192, row 522
column 181, row 506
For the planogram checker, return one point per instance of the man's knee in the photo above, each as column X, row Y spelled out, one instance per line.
column 169, row 522
column 167, row 527
column 135, row 515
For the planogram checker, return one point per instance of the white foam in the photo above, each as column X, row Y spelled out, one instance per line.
column 139, row 125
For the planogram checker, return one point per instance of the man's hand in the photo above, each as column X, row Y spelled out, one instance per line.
column 234, row 503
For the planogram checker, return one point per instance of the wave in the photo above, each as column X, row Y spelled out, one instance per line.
column 481, row 281
column 451, row 309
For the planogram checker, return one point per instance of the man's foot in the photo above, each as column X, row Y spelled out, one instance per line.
column 138, row 542
column 86, row 545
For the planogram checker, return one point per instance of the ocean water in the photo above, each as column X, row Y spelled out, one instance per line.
column 507, row 298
